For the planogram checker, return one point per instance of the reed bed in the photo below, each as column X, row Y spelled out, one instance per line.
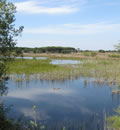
column 105, row 70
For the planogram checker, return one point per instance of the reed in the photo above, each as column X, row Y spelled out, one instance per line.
column 102, row 70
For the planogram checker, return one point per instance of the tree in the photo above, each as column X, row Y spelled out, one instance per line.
column 7, row 43
column 117, row 47
column 8, row 32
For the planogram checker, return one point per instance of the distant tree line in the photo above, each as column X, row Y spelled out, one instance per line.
column 18, row 51
column 53, row 49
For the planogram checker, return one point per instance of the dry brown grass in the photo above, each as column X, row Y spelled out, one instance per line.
column 79, row 55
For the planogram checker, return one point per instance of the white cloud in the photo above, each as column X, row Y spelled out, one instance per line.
column 31, row 93
column 75, row 29
column 51, row 7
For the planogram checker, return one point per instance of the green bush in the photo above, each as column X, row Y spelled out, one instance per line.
column 114, row 121
column 92, row 53
column 115, row 55
column 101, row 51
column 86, row 54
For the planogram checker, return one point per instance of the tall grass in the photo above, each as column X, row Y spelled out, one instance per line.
column 23, row 66
column 92, row 53
column 100, row 69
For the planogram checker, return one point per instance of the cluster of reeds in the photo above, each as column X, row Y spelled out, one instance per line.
column 55, row 75
column 101, row 70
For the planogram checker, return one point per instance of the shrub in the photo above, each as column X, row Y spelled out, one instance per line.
column 92, row 53
column 114, row 55
column 114, row 121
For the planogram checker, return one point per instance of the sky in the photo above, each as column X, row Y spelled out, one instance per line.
column 84, row 24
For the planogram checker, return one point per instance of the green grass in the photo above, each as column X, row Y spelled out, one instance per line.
column 23, row 66
column 92, row 53
column 105, row 69
column 108, row 69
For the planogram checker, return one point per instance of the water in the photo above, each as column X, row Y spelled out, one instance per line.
column 57, row 62
column 53, row 61
column 72, row 103
column 30, row 58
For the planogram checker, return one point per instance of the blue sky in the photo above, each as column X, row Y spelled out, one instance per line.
column 84, row 24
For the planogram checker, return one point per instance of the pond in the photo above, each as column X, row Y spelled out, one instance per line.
column 53, row 61
column 30, row 58
column 58, row 62
column 72, row 104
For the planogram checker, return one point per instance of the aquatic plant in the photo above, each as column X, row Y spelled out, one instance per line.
column 114, row 121
column 102, row 70
column 34, row 122
column 64, row 128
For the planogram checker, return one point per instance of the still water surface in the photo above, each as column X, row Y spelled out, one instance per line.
column 62, row 62
column 30, row 58
column 72, row 103
column 53, row 61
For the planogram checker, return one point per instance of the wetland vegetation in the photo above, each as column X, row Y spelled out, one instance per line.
column 36, row 94
column 100, row 69
column 38, row 78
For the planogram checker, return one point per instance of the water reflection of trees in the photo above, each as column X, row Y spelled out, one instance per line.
column 5, row 122
column 116, row 98
column 3, row 88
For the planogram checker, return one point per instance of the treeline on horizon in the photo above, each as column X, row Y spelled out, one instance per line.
column 54, row 49
column 49, row 49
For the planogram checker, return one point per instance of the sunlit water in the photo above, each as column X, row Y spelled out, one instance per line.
column 53, row 61
column 72, row 103
column 59, row 62
column 30, row 58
